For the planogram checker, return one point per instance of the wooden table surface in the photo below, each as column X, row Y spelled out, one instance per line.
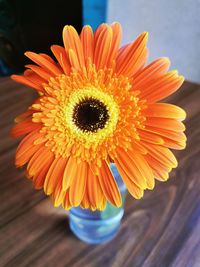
column 160, row 230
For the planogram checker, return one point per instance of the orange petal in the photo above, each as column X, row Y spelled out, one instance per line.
column 116, row 39
column 72, row 41
column 68, row 174
column 28, row 140
column 164, row 110
column 25, row 127
column 166, row 124
column 22, row 157
column 36, row 163
column 102, row 206
column 178, row 145
column 39, row 178
column 66, row 202
column 33, row 77
column 48, row 177
column 40, row 71
column 103, row 47
column 23, row 116
column 22, row 153
column 160, row 171
column 123, row 50
column 58, row 195
column 24, row 80
column 98, row 31
column 175, row 136
column 133, row 189
column 73, row 59
column 150, row 72
column 162, row 154
column 161, row 87
column 150, row 137
column 77, row 188
column 85, row 204
column 95, row 194
column 138, row 147
column 133, row 57
column 47, row 57
column 136, row 168
column 44, row 63
column 54, row 174
column 61, row 55
column 109, row 185
column 87, row 40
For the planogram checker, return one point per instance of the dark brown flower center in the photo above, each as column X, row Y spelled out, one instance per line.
column 90, row 115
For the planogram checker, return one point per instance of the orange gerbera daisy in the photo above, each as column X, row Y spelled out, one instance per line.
column 98, row 104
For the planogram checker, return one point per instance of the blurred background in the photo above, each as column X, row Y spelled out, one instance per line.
column 35, row 25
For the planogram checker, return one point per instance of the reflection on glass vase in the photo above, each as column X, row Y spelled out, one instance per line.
column 95, row 227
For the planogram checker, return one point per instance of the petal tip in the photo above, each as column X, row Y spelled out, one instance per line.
column 182, row 78
column 28, row 53
column 145, row 35
column 66, row 27
column 14, row 77
column 166, row 60
column 116, row 23
column 87, row 26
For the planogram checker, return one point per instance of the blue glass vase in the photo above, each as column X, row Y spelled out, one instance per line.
column 96, row 227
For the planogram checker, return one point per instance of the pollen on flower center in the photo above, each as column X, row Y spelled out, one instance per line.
column 90, row 115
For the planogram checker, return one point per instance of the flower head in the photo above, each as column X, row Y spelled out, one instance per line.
column 98, row 104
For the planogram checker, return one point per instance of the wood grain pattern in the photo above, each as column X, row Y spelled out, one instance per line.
column 160, row 230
